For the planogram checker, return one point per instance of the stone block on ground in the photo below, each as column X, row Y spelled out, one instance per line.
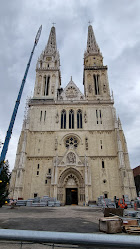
column 110, row 225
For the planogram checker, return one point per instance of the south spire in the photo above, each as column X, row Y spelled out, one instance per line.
column 51, row 45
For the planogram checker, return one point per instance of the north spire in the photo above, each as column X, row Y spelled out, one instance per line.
column 92, row 46
column 48, row 77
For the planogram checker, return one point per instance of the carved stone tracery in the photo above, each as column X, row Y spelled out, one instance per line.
column 104, row 88
column 85, row 117
column 71, row 92
column 56, row 143
column 71, row 180
column 86, row 143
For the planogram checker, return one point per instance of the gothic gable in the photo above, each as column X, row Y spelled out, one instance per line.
column 71, row 159
column 71, row 92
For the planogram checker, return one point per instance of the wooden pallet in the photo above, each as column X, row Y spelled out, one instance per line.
column 132, row 229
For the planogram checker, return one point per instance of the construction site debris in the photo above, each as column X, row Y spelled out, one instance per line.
column 132, row 229
column 110, row 225
column 105, row 202
column 39, row 202
column 109, row 212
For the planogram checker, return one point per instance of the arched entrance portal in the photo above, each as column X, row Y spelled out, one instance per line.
column 71, row 196
column 71, row 189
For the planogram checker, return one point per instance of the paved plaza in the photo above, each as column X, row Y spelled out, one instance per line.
column 75, row 219
column 58, row 219
column 61, row 219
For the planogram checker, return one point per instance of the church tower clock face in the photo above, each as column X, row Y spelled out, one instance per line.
column 72, row 146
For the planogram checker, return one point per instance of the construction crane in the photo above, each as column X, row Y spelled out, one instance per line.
column 10, row 128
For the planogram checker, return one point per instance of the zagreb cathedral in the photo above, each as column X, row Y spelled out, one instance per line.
column 72, row 145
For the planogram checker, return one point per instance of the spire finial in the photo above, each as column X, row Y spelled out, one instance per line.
column 71, row 78
column 53, row 24
column 89, row 22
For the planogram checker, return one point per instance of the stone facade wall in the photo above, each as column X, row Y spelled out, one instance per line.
column 46, row 141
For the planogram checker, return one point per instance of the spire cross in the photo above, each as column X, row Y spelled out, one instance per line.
column 89, row 22
column 53, row 23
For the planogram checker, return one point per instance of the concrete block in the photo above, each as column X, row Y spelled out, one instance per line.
column 110, row 225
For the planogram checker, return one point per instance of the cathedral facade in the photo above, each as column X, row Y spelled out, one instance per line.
column 72, row 145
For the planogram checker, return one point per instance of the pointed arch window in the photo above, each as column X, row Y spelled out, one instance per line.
column 71, row 119
column 63, row 119
column 44, row 116
column 99, row 116
column 103, row 164
column 40, row 116
column 46, row 85
column 96, row 84
column 79, row 119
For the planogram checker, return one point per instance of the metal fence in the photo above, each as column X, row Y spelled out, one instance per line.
column 42, row 239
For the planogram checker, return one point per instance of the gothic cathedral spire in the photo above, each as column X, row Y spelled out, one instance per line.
column 92, row 46
column 51, row 45
column 95, row 78
column 48, row 78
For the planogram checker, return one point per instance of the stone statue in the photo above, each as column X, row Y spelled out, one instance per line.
column 71, row 157
column 90, row 89
column 38, row 90
column 52, row 89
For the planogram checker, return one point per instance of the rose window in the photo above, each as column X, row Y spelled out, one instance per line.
column 71, row 141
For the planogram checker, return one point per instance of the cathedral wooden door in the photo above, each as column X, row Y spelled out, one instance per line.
column 71, row 196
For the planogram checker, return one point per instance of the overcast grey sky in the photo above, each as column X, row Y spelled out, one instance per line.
column 116, row 26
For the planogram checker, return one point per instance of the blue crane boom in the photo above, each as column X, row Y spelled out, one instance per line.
column 9, row 132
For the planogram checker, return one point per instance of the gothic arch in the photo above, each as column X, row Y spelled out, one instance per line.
column 63, row 119
column 71, row 119
column 73, row 135
column 79, row 119
column 71, row 173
